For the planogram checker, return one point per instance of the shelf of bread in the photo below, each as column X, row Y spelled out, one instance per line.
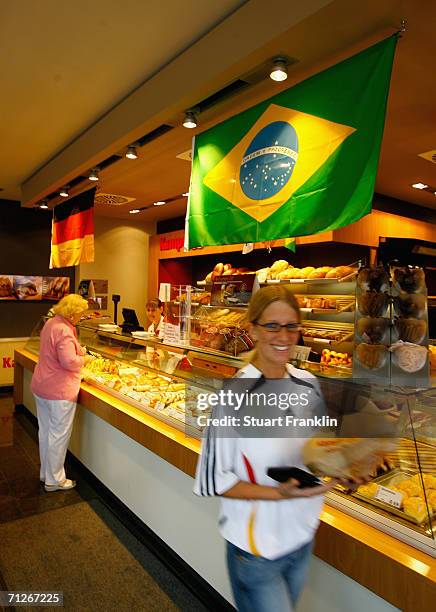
column 282, row 271
column 221, row 329
column 171, row 399
column 327, row 304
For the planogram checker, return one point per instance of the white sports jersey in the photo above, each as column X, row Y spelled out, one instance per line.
column 266, row 528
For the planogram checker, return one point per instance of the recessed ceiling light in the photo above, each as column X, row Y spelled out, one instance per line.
column 279, row 71
column 190, row 120
column 93, row 175
column 185, row 195
column 159, row 203
column 131, row 152
column 64, row 191
column 134, row 211
column 419, row 185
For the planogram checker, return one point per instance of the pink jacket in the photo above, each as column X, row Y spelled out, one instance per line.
column 57, row 373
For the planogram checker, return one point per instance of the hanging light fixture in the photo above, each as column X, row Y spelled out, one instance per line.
column 279, row 70
column 93, row 175
column 64, row 191
column 44, row 204
column 131, row 152
column 190, row 120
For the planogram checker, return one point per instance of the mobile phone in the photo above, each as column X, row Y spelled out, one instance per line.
column 282, row 474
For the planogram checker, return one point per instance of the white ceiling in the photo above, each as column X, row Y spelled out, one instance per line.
column 64, row 64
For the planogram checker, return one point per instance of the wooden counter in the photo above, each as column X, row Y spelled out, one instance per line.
column 397, row 572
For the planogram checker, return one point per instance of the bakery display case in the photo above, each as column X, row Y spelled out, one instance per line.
column 159, row 378
column 400, row 498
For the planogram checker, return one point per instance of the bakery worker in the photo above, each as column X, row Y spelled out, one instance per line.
column 154, row 310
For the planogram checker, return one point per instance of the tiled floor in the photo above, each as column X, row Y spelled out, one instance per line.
column 22, row 495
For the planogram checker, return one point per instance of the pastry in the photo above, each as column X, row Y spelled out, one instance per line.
column 368, row 490
column 345, row 271
column 409, row 357
column 376, row 279
column 410, row 305
column 411, row 330
column 333, row 273
column 262, row 274
column 279, row 266
column 219, row 268
column 307, row 270
column 318, row 273
column 372, row 303
column 415, row 507
column 372, row 330
column 410, row 280
column 371, row 356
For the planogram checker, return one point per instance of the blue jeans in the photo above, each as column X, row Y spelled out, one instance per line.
column 264, row 585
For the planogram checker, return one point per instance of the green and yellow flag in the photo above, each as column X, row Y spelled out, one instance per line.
column 300, row 163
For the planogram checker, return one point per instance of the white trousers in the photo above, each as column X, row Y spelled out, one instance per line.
column 55, row 420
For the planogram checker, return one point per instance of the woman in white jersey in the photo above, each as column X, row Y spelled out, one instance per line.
column 269, row 527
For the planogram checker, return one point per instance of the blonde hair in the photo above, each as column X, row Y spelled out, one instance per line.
column 266, row 296
column 70, row 305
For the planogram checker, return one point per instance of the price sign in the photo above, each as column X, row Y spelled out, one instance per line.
column 393, row 498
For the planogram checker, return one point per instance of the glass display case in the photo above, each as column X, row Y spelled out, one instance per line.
column 164, row 380
column 400, row 498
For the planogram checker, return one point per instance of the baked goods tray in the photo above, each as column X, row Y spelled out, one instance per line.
column 394, row 476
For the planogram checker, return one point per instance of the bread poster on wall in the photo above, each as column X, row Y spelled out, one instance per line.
column 7, row 287
column 55, row 287
column 33, row 288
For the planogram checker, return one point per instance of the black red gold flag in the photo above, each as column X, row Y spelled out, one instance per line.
column 72, row 235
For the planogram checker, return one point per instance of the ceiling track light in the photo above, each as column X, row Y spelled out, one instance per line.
column 419, row 186
column 44, row 204
column 159, row 203
column 64, row 191
column 131, row 152
column 93, row 175
column 190, row 120
column 134, row 211
column 279, row 70
column 185, row 195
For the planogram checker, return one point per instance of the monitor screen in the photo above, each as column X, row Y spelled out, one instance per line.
column 130, row 317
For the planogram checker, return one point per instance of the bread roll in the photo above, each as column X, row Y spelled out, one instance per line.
column 317, row 273
column 219, row 269
column 262, row 274
column 227, row 266
column 345, row 270
column 333, row 273
column 307, row 270
column 279, row 266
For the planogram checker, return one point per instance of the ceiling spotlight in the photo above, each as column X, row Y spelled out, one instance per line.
column 185, row 195
column 279, row 71
column 190, row 121
column 159, row 203
column 93, row 175
column 419, row 185
column 134, row 211
column 64, row 191
column 44, row 204
column 131, row 152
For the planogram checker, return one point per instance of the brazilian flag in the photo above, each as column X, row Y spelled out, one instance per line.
column 300, row 163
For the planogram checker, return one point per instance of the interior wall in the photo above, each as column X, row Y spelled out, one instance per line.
column 25, row 236
column 121, row 257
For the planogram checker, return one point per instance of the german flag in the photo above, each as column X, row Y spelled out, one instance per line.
column 72, row 234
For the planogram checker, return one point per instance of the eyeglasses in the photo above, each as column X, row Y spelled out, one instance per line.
column 272, row 326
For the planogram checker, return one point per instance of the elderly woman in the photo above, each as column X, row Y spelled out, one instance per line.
column 55, row 385
column 269, row 527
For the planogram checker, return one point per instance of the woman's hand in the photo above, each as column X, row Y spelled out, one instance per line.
column 290, row 489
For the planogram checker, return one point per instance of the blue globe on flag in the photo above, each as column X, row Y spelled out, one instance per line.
column 269, row 161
